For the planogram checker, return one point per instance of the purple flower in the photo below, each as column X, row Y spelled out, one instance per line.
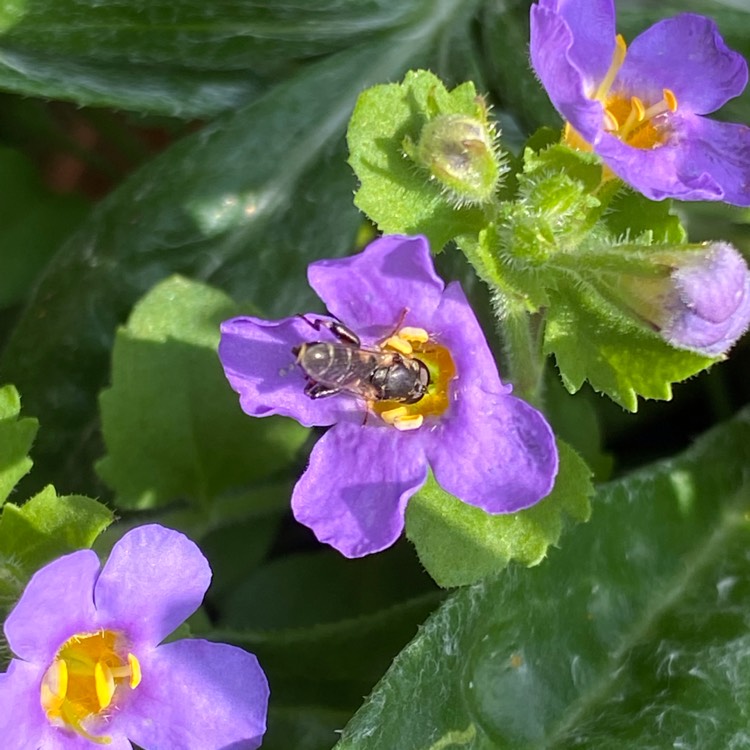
column 484, row 446
column 89, row 670
column 708, row 306
column 641, row 108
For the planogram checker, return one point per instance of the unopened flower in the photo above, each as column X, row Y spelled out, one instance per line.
column 702, row 300
column 641, row 107
column 460, row 152
column 88, row 668
column 453, row 414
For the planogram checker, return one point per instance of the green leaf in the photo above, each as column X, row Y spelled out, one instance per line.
column 172, row 425
column 200, row 210
column 394, row 192
column 635, row 218
column 16, row 436
column 188, row 58
column 459, row 544
column 48, row 525
column 592, row 340
column 307, row 589
column 633, row 634
column 345, row 657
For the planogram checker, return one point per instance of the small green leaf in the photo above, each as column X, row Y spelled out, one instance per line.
column 16, row 437
column 592, row 340
column 394, row 191
column 172, row 425
column 459, row 544
column 48, row 525
column 632, row 635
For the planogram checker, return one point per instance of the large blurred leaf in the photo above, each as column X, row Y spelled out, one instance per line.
column 173, row 427
column 187, row 58
column 246, row 203
column 33, row 222
column 633, row 635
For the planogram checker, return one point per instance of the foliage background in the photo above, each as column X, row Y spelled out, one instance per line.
column 142, row 139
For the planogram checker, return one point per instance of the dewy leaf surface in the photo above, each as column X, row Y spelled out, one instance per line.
column 245, row 203
column 633, row 635
column 187, row 58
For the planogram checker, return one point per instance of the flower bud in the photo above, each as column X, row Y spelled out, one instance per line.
column 460, row 153
column 702, row 303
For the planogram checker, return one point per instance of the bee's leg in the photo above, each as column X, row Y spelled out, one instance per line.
column 336, row 327
column 318, row 390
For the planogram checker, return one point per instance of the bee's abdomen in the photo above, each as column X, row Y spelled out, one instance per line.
column 327, row 363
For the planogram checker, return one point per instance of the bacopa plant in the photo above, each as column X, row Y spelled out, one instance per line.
column 454, row 416
column 90, row 668
column 375, row 404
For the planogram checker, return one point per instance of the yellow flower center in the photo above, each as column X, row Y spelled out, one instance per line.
column 640, row 124
column 80, row 685
column 416, row 342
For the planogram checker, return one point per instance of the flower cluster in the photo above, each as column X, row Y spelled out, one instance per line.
column 485, row 446
column 641, row 107
column 89, row 670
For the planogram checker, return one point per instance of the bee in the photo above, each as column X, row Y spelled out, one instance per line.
column 372, row 373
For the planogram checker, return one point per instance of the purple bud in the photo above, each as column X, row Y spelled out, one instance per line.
column 708, row 307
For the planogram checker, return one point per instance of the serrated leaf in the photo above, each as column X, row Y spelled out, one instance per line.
column 633, row 634
column 16, row 436
column 171, row 423
column 459, row 544
column 394, row 192
column 48, row 525
column 594, row 341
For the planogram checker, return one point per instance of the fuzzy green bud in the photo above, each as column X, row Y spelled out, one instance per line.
column 460, row 153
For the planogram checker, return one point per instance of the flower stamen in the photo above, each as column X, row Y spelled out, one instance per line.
column 416, row 343
column 84, row 679
column 618, row 58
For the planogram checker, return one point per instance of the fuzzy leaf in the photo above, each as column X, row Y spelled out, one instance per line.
column 394, row 192
column 173, row 426
column 459, row 544
column 594, row 341
column 16, row 436
column 633, row 634
column 48, row 525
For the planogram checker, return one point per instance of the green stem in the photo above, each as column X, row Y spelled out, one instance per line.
column 522, row 332
column 523, row 363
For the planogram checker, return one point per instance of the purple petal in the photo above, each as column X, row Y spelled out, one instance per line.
column 592, row 26
column 687, row 55
column 154, row 579
column 718, row 149
column 662, row 172
column 197, row 695
column 371, row 291
column 258, row 361
column 22, row 721
column 58, row 602
column 566, row 83
column 493, row 451
column 456, row 327
column 354, row 492
column 713, row 306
